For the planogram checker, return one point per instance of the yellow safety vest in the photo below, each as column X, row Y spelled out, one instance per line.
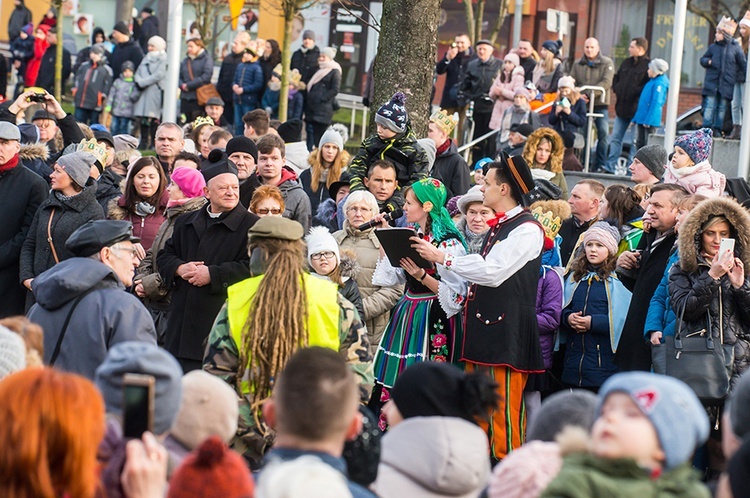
column 322, row 312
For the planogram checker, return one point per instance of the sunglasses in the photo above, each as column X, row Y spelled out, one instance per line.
column 268, row 211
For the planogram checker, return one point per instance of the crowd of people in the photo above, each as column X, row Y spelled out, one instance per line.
column 532, row 338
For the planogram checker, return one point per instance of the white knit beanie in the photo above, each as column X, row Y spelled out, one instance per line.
column 12, row 352
column 320, row 240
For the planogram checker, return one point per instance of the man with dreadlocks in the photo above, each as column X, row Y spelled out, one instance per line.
column 300, row 310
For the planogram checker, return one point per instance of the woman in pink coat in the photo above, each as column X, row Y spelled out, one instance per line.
column 504, row 88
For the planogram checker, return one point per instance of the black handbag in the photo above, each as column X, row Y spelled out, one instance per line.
column 696, row 358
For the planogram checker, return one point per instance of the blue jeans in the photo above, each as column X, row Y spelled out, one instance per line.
column 714, row 109
column 310, row 132
column 86, row 116
column 120, row 125
column 615, row 142
column 599, row 159
column 239, row 111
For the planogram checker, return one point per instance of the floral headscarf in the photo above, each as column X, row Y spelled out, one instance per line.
column 433, row 195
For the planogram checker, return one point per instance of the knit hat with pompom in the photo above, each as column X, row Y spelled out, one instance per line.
column 392, row 114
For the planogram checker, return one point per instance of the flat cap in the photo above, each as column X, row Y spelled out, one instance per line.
column 9, row 131
column 215, row 101
column 96, row 235
column 43, row 114
column 276, row 227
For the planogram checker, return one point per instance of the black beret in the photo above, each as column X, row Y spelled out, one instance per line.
column 217, row 164
column 96, row 235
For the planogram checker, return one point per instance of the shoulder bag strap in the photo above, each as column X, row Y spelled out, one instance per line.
column 56, row 352
column 190, row 69
column 49, row 236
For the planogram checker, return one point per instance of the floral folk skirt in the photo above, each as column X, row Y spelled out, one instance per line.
column 418, row 330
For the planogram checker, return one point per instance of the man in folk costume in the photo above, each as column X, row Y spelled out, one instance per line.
column 501, row 339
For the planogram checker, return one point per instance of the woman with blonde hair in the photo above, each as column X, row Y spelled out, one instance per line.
column 327, row 162
column 543, row 153
column 52, row 425
column 548, row 71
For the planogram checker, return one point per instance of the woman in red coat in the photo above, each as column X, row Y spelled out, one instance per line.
column 40, row 46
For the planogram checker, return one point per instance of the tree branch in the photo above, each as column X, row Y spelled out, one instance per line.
column 375, row 26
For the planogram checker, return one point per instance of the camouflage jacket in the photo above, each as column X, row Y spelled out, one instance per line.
column 402, row 150
column 222, row 360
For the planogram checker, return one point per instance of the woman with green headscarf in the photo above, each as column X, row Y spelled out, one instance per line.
column 425, row 322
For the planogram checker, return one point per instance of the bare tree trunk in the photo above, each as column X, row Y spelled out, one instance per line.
column 501, row 15
column 124, row 11
column 286, row 60
column 406, row 56
column 469, row 13
column 479, row 20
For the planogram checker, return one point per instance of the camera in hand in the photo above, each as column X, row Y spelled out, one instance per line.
column 40, row 94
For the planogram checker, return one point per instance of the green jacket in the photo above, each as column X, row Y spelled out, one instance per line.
column 585, row 475
column 222, row 360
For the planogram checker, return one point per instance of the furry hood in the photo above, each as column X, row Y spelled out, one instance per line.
column 34, row 151
column 348, row 264
column 690, row 229
column 558, row 149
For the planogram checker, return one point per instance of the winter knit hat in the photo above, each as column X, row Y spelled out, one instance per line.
column 241, row 143
column 430, row 150
column 190, row 181
column 672, row 407
column 435, row 389
column 452, row 205
column 526, row 471
column 158, row 43
column 319, row 239
column 331, row 136
column 697, row 145
column 658, row 66
column 78, row 166
column 209, row 408
column 654, row 158
column 124, row 142
column 291, row 131
column 522, row 92
column 12, row 352
column 553, row 46
column 566, row 82
column 147, row 359
column 121, row 27
column 563, row 409
column 28, row 29
column 739, row 415
column 604, row 233
column 392, row 114
column 512, row 57
column 212, row 470
column 329, row 52
column 433, row 195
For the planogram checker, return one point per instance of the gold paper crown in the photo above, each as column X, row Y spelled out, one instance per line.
column 727, row 25
column 444, row 121
column 201, row 120
column 549, row 222
column 95, row 149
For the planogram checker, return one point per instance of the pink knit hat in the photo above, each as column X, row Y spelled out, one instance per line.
column 190, row 181
column 526, row 472
column 605, row 234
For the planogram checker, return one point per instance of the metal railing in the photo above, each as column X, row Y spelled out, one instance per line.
column 465, row 149
column 591, row 115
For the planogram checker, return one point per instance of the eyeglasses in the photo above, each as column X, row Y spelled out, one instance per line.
column 325, row 254
column 355, row 209
column 275, row 211
column 132, row 250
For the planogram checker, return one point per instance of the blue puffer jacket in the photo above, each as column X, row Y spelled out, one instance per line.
column 660, row 315
column 589, row 359
column 652, row 100
column 723, row 61
column 249, row 75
